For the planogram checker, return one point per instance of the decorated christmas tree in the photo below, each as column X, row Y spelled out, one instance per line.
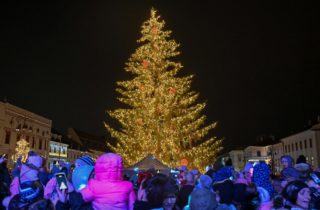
column 22, row 150
column 161, row 116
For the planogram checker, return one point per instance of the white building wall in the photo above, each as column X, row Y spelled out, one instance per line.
column 277, row 153
column 57, row 151
column 237, row 157
column 303, row 143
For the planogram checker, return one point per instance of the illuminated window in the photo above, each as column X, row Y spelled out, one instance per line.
column 312, row 160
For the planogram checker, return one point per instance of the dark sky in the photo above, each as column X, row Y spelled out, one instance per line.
column 257, row 64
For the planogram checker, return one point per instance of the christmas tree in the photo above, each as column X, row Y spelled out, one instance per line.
column 161, row 116
column 22, row 150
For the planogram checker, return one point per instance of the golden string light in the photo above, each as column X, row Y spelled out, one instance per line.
column 162, row 117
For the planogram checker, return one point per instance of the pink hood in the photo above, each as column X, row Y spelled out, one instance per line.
column 109, row 167
column 107, row 190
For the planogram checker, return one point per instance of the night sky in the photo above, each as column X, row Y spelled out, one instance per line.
column 256, row 64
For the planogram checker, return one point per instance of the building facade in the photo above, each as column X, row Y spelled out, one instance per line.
column 237, row 157
column 74, row 154
column 257, row 153
column 276, row 151
column 58, row 149
column 305, row 143
column 17, row 123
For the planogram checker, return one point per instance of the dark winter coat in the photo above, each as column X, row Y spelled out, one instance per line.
column 4, row 183
column 290, row 174
column 144, row 205
column 44, row 177
column 183, row 195
column 239, row 193
column 4, row 174
column 315, row 198
column 226, row 191
column 75, row 202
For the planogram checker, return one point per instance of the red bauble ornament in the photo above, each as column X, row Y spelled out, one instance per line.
column 145, row 63
column 139, row 121
column 184, row 162
column 172, row 90
column 154, row 30
column 141, row 87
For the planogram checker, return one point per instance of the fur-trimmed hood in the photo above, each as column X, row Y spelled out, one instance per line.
column 302, row 167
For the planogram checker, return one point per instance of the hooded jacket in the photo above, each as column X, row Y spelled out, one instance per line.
column 290, row 173
column 108, row 190
column 261, row 177
column 26, row 174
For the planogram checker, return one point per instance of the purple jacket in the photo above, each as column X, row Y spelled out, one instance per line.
column 108, row 190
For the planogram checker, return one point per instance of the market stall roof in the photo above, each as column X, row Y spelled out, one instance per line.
column 149, row 162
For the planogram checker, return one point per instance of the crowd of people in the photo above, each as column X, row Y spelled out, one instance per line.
column 102, row 185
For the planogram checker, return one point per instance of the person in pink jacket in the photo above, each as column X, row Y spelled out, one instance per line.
column 108, row 190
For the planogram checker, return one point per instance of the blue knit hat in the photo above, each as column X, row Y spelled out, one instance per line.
column 84, row 160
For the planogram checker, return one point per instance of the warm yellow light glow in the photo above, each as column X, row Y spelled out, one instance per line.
column 22, row 150
column 162, row 116
column 57, row 154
